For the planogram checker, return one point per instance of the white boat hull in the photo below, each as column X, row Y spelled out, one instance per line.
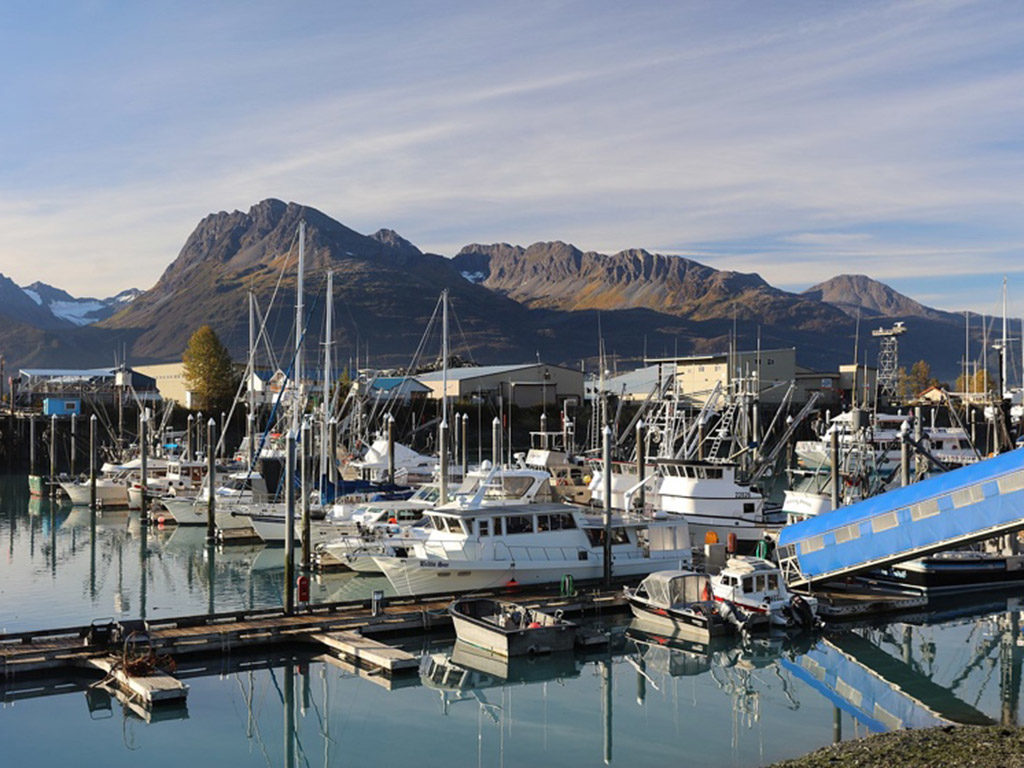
column 108, row 493
column 412, row 576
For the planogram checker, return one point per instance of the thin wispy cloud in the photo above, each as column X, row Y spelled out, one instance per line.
column 800, row 140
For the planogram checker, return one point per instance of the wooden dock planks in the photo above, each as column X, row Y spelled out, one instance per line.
column 151, row 690
column 367, row 651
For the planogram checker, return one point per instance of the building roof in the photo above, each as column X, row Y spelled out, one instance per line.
column 405, row 383
column 638, row 382
column 67, row 373
column 479, row 371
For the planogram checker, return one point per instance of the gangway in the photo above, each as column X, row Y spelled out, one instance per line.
column 945, row 511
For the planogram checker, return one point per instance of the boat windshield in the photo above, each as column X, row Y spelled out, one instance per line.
column 678, row 589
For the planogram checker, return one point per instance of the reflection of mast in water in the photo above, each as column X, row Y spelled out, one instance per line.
column 53, row 539
column 92, row 554
column 143, row 554
column 289, row 715
column 211, row 575
column 606, row 689
column 121, row 603
column 1009, row 668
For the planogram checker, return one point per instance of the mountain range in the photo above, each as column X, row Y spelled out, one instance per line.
column 510, row 303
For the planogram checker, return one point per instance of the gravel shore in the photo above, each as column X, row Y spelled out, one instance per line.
column 947, row 746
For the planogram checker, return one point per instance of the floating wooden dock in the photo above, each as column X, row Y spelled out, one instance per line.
column 365, row 651
column 347, row 632
column 151, row 689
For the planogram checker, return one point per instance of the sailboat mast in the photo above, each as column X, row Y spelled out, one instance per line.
column 297, row 373
column 251, row 420
column 328, row 341
column 1004, row 359
column 443, row 442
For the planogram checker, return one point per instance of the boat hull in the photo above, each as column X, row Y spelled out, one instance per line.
column 108, row 494
column 413, row 576
column 512, row 630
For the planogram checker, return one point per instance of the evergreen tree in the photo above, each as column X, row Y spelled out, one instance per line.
column 209, row 372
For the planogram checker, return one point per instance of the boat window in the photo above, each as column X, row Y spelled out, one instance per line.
column 596, row 536
column 749, row 508
column 512, row 487
column 485, row 527
column 436, row 522
column 748, row 585
column 467, row 525
column 454, row 526
column 557, row 522
column 714, row 473
column 773, row 581
column 759, row 581
column 518, row 524
column 427, row 493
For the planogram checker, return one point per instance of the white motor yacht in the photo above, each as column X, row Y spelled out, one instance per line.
column 494, row 546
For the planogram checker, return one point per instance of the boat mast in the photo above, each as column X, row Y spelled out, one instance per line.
column 1003, row 357
column 328, row 341
column 297, row 368
column 443, row 441
column 251, row 421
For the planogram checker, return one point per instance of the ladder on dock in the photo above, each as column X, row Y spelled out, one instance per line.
column 970, row 504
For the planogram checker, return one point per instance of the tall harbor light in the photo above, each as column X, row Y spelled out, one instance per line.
column 889, row 360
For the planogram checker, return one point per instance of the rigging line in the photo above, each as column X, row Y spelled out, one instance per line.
column 280, row 394
column 250, row 369
column 462, row 333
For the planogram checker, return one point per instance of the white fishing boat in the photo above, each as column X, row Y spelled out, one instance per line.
column 756, row 587
column 510, row 629
column 714, row 501
column 494, row 546
column 877, row 436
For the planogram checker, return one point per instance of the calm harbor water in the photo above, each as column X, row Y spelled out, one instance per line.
column 637, row 703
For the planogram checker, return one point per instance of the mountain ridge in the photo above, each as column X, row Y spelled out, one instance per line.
column 512, row 302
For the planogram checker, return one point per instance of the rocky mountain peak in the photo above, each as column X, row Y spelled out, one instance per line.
column 861, row 294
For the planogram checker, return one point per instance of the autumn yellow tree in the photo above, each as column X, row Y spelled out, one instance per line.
column 209, row 372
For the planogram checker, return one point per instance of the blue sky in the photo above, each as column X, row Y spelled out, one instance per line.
column 796, row 140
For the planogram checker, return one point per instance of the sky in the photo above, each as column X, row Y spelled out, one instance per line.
column 796, row 140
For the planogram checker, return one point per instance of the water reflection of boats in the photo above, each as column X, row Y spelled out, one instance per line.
column 468, row 668
column 81, row 517
column 655, row 655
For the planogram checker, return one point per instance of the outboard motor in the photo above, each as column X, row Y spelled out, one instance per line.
column 801, row 613
column 733, row 615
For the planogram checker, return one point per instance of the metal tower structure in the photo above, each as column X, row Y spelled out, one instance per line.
column 889, row 360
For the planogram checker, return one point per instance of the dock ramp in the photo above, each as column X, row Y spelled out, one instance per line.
column 943, row 512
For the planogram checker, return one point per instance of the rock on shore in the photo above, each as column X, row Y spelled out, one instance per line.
column 946, row 747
